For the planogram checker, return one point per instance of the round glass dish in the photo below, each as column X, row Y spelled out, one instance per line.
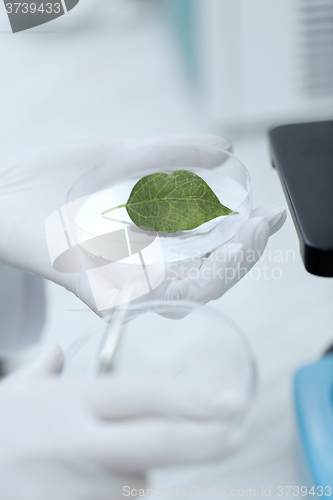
column 113, row 236
column 201, row 347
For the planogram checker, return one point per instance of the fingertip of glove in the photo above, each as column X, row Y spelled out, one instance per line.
column 255, row 225
column 254, row 234
column 261, row 233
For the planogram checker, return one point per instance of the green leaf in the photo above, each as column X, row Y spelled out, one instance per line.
column 172, row 202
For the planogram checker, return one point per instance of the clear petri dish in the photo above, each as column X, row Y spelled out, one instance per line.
column 113, row 236
column 201, row 347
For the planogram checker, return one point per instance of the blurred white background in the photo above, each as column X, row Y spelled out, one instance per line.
column 138, row 68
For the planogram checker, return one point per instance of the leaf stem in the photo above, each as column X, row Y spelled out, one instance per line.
column 114, row 208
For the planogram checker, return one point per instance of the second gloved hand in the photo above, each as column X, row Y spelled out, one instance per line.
column 79, row 439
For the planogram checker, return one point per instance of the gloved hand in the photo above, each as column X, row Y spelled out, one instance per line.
column 35, row 186
column 84, row 439
column 213, row 276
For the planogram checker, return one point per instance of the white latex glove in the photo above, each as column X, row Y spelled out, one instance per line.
column 81, row 439
column 34, row 186
column 227, row 265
